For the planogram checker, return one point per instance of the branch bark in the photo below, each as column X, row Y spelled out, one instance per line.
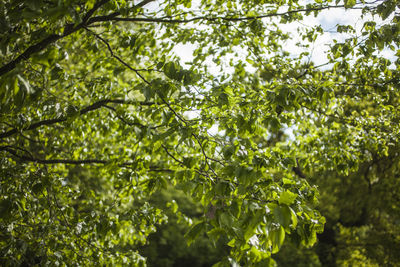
column 30, row 158
column 83, row 111
column 114, row 17
column 88, row 19
column 68, row 29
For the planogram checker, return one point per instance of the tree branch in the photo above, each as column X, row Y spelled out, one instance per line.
column 50, row 161
column 298, row 171
column 143, row 3
column 28, row 52
column 83, row 111
column 30, row 158
column 68, row 29
column 206, row 158
column 130, row 123
column 93, row 10
column 113, row 17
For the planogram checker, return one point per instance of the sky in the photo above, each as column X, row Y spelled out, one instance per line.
column 328, row 19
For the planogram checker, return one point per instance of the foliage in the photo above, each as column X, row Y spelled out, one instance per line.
column 98, row 113
column 362, row 216
column 167, row 246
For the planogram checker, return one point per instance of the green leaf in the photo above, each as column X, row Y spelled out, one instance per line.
column 349, row 3
column 287, row 197
column 283, row 215
column 277, row 237
column 226, row 219
column 173, row 205
column 148, row 92
column 215, row 233
column 6, row 207
column 293, row 218
column 228, row 152
column 195, row 231
column 173, row 71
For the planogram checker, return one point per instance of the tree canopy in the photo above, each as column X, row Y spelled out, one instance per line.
column 99, row 115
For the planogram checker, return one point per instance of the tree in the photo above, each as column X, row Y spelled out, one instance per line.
column 98, row 113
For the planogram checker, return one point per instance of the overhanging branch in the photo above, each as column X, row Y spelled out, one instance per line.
column 83, row 111
column 11, row 150
column 114, row 17
column 68, row 29
column 88, row 20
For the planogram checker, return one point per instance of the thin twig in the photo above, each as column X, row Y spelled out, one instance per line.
column 117, row 57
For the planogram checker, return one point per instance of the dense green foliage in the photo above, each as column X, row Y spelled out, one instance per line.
column 105, row 134
column 168, row 247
